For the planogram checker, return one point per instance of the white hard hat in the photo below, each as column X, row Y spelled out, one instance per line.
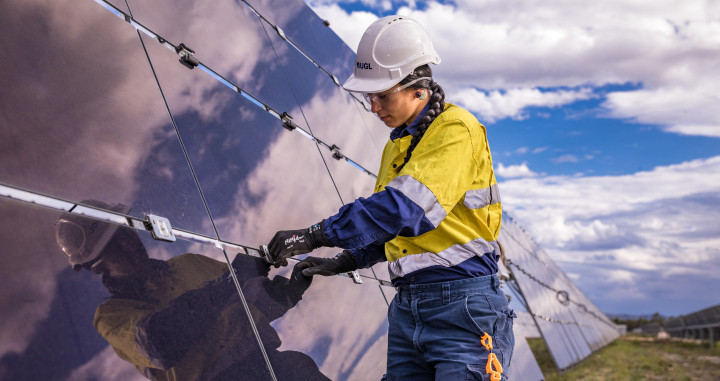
column 83, row 239
column 389, row 50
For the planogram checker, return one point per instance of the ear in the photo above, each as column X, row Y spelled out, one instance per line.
column 420, row 94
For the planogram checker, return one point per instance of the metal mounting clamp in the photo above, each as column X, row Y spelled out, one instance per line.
column 186, row 56
column 280, row 32
column 287, row 121
column 355, row 276
column 336, row 152
column 160, row 228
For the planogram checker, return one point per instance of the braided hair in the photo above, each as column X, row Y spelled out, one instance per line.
column 437, row 105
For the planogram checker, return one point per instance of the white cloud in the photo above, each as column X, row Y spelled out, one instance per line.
column 669, row 48
column 649, row 219
column 621, row 276
column 686, row 110
column 513, row 171
column 641, row 242
column 495, row 105
column 565, row 159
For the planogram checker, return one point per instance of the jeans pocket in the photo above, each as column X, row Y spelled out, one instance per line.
column 481, row 310
column 480, row 313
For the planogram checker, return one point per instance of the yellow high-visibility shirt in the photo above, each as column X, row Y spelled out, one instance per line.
column 449, row 175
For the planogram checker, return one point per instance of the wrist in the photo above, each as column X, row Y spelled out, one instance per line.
column 316, row 235
column 347, row 261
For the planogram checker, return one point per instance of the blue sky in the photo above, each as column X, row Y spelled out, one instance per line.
column 604, row 126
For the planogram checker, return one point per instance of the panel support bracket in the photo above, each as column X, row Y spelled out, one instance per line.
column 187, row 57
column 355, row 276
column 336, row 152
column 160, row 228
column 287, row 121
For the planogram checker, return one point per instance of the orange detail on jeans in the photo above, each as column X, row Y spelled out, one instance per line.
column 493, row 362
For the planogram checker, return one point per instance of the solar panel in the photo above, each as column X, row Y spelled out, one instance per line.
column 703, row 324
column 571, row 325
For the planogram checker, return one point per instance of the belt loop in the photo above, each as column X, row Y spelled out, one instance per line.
column 495, row 283
column 446, row 293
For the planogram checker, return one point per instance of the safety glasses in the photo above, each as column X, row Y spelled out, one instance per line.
column 383, row 98
column 71, row 237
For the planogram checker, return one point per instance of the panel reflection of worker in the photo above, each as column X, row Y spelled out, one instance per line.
column 182, row 319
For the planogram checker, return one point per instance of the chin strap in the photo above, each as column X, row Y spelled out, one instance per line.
column 495, row 374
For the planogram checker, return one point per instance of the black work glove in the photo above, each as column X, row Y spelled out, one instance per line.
column 342, row 263
column 288, row 243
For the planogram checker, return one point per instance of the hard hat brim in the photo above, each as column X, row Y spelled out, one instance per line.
column 369, row 85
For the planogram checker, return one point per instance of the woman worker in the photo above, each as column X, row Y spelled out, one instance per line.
column 434, row 217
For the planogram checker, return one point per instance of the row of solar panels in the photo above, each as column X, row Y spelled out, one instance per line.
column 706, row 316
column 570, row 324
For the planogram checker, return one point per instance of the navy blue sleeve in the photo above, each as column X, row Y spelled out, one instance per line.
column 375, row 220
column 369, row 255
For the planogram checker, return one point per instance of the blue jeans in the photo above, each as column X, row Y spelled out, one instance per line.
column 435, row 330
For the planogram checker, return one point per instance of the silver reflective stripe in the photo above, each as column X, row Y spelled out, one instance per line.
column 422, row 196
column 449, row 257
column 480, row 198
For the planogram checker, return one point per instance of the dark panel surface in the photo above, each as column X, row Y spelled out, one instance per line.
column 82, row 117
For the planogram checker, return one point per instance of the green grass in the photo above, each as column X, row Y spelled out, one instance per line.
column 635, row 357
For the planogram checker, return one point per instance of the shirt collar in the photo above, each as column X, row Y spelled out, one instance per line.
column 405, row 130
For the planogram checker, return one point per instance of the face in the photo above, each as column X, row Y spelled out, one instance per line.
column 396, row 108
column 123, row 256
